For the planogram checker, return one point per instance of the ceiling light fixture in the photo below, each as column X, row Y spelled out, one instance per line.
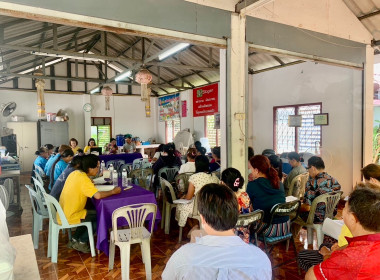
column 173, row 50
column 124, row 75
column 95, row 90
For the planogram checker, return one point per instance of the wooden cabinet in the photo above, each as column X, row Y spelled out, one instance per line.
column 26, row 138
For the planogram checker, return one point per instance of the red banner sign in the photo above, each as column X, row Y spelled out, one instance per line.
column 205, row 100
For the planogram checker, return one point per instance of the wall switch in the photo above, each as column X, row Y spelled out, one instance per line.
column 239, row 116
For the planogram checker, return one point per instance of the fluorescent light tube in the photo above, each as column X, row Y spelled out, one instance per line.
column 123, row 76
column 95, row 90
column 173, row 50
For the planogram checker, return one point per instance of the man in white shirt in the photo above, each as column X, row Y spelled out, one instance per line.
column 220, row 254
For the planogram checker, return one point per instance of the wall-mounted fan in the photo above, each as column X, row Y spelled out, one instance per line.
column 7, row 109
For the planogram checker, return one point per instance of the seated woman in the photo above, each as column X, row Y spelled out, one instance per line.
column 189, row 166
column 232, row 178
column 215, row 163
column 50, row 148
column 59, row 165
column 52, row 158
column 111, row 147
column 42, row 156
column 276, row 163
column 74, row 145
column 201, row 177
column 75, row 164
column 91, row 144
column 167, row 159
column 264, row 192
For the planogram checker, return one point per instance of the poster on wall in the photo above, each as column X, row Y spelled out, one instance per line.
column 169, row 107
column 205, row 100
column 184, row 108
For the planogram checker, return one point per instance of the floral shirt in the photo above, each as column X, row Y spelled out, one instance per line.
column 321, row 184
column 244, row 208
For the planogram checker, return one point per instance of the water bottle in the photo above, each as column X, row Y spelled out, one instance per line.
column 124, row 177
column 110, row 168
column 102, row 166
column 115, row 178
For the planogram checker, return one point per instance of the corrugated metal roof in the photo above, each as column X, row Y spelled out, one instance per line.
column 22, row 32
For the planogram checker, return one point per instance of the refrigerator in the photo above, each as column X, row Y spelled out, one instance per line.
column 55, row 133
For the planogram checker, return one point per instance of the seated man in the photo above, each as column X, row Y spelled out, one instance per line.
column 77, row 189
column 129, row 146
column 361, row 258
column 319, row 183
column 294, row 160
column 220, row 254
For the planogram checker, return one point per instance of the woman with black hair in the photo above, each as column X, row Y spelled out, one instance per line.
column 167, row 159
column 264, row 192
column 74, row 145
column 91, row 144
column 42, row 156
column 111, row 147
column 59, row 165
column 158, row 152
column 75, row 164
column 201, row 177
column 276, row 163
column 215, row 163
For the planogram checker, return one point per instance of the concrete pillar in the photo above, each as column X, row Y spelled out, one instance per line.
column 368, row 106
column 236, row 96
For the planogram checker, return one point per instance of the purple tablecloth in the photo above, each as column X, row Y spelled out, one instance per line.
column 106, row 206
column 128, row 158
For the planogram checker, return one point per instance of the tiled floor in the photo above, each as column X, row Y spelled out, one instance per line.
column 74, row 265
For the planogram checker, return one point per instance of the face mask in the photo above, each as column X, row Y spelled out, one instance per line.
column 249, row 171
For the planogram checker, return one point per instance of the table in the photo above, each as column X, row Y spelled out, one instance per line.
column 128, row 158
column 142, row 148
column 25, row 266
column 105, row 207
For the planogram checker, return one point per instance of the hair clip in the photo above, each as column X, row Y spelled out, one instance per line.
column 237, row 182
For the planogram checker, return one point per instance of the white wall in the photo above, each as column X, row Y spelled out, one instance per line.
column 27, row 107
column 339, row 90
column 127, row 112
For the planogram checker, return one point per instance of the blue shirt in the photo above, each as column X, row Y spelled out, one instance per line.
column 60, row 182
column 58, row 169
column 218, row 257
column 41, row 162
column 49, row 164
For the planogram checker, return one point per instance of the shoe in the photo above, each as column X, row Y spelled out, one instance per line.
column 81, row 247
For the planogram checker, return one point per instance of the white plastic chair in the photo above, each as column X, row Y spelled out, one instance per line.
column 167, row 206
column 297, row 185
column 331, row 200
column 39, row 171
column 39, row 214
column 4, row 197
column 54, row 227
column 135, row 215
column 141, row 163
column 9, row 186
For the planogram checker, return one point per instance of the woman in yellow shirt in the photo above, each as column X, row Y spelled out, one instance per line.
column 74, row 145
column 91, row 144
column 78, row 187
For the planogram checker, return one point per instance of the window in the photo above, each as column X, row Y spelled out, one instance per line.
column 212, row 134
column 101, row 130
column 171, row 129
column 300, row 139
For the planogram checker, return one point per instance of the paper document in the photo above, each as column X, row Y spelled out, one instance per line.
column 104, row 188
column 99, row 181
column 182, row 201
column 290, row 198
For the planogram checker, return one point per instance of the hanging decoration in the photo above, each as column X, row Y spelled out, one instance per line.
column 40, row 85
column 107, row 92
column 147, row 103
column 144, row 77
